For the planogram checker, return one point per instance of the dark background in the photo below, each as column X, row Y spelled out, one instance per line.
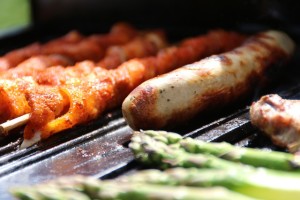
column 180, row 18
column 166, row 13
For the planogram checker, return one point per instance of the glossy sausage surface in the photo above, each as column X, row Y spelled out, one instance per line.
column 176, row 97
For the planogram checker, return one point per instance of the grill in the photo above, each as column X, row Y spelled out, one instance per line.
column 100, row 148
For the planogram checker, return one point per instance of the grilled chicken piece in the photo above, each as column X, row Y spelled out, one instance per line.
column 12, row 99
column 34, row 65
column 14, row 102
column 73, row 45
column 279, row 119
column 15, row 57
column 147, row 44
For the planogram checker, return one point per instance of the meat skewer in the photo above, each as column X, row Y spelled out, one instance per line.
column 73, row 45
column 148, row 44
column 34, row 65
column 279, row 119
column 12, row 99
column 102, row 89
column 15, row 57
column 13, row 102
column 211, row 83
column 145, row 44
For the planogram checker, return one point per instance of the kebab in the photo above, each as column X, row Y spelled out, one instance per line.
column 12, row 92
column 74, row 46
column 146, row 43
column 102, row 89
column 15, row 57
column 34, row 65
column 216, row 81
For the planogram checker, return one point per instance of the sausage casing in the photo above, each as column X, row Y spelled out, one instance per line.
column 215, row 81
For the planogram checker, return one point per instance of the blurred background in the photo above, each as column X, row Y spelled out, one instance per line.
column 177, row 17
column 15, row 15
column 19, row 13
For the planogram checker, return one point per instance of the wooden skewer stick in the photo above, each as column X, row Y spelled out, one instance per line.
column 14, row 123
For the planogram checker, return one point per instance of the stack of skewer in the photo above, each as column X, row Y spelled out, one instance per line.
column 73, row 79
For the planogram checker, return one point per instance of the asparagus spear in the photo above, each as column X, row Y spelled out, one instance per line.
column 256, row 157
column 95, row 189
column 63, row 188
column 266, row 183
column 46, row 193
column 256, row 184
column 156, row 153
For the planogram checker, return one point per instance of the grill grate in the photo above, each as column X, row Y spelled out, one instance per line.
column 100, row 148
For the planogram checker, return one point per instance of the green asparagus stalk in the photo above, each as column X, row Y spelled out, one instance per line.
column 266, row 183
column 256, row 184
column 155, row 153
column 46, row 193
column 135, row 191
column 63, row 188
column 108, row 190
column 255, row 157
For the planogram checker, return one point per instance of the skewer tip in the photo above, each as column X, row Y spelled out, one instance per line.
column 29, row 142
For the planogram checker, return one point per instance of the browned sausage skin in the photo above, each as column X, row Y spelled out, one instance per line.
column 212, row 82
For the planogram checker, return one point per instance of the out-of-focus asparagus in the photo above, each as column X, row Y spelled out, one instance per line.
column 72, row 187
column 108, row 190
column 266, row 183
column 256, row 157
column 256, row 183
column 48, row 193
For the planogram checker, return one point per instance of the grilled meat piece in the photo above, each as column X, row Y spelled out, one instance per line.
column 32, row 66
column 72, row 45
column 279, row 119
column 12, row 99
column 147, row 44
column 216, row 81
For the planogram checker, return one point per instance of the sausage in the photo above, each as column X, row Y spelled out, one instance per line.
column 215, row 81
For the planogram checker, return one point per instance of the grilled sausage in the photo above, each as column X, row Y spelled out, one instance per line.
column 215, row 81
